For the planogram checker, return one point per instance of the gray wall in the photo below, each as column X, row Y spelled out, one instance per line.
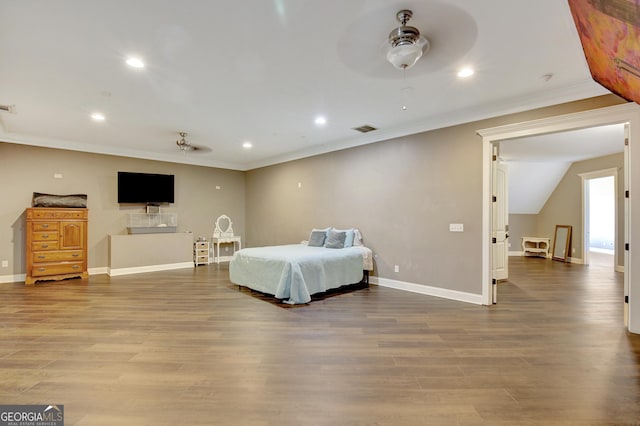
column 564, row 206
column 400, row 199
column 522, row 225
column 27, row 169
column 402, row 193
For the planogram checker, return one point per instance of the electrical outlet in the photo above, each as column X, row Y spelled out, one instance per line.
column 396, row 268
column 5, row 263
column 456, row 227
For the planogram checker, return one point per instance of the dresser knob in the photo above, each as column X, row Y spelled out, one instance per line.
column 75, row 255
column 75, row 267
column 41, row 269
column 45, row 245
column 40, row 257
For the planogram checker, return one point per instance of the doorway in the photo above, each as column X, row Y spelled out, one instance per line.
column 624, row 113
column 600, row 207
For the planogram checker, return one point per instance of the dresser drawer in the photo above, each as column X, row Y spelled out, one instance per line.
column 45, row 226
column 44, row 236
column 56, row 269
column 57, row 256
column 44, row 245
column 45, row 213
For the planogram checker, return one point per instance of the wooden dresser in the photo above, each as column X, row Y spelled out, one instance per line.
column 56, row 243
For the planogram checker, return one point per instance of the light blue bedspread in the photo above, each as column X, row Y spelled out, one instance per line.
column 294, row 272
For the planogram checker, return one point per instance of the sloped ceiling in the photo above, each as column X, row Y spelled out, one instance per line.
column 261, row 71
column 537, row 164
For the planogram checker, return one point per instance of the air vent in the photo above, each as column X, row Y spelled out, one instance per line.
column 8, row 108
column 365, row 128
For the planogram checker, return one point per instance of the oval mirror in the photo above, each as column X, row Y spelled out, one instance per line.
column 223, row 227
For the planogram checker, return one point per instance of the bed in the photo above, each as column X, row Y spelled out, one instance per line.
column 295, row 272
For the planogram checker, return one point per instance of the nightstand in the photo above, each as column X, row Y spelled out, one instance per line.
column 201, row 253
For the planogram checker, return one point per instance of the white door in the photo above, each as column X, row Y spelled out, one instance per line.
column 500, row 231
column 627, row 222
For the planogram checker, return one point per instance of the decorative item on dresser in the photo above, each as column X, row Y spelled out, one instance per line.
column 56, row 243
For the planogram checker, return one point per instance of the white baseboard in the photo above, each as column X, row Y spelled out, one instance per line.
column 516, row 253
column 98, row 271
column 150, row 268
column 619, row 268
column 460, row 296
column 5, row 279
column 576, row 260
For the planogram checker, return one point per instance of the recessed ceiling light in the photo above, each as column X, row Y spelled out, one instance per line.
column 465, row 72
column 135, row 62
column 247, row 145
column 321, row 120
column 96, row 116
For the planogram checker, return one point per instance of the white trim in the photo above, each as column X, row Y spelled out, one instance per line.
column 98, row 271
column 459, row 296
column 585, row 179
column 619, row 268
column 623, row 113
column 10, row 279
column 516, row 253
column 150, row 268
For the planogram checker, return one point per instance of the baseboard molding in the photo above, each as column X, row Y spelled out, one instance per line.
column 150, row 268
column 98, row 271
column 576, row 260
column 516, row 253
column 619, row 268
column 444, row 293
column 10, row 279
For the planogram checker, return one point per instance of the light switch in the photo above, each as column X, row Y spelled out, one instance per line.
column 456, row 227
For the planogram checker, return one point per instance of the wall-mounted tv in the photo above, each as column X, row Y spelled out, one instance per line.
column 145, row 188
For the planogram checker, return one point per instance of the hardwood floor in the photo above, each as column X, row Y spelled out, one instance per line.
column 186, row 347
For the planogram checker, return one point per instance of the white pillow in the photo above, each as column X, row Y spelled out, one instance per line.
column 357, row 237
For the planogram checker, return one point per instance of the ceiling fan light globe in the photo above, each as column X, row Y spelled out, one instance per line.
column 404, row 56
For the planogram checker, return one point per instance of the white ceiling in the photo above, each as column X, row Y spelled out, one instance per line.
column 536, row 164
column 261, row 71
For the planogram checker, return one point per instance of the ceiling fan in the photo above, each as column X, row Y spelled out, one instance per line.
column 406, row 43
column 185, row 146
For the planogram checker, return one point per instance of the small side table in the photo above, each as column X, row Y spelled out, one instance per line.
column 224, row 240
column 535, row 246
column 201, row 253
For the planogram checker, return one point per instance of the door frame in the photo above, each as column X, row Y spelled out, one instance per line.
column 586, row 215
column 623, row 113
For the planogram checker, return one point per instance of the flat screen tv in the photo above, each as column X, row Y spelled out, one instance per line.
column 145, row 188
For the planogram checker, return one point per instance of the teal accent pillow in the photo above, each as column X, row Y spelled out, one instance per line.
column 335, row 239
